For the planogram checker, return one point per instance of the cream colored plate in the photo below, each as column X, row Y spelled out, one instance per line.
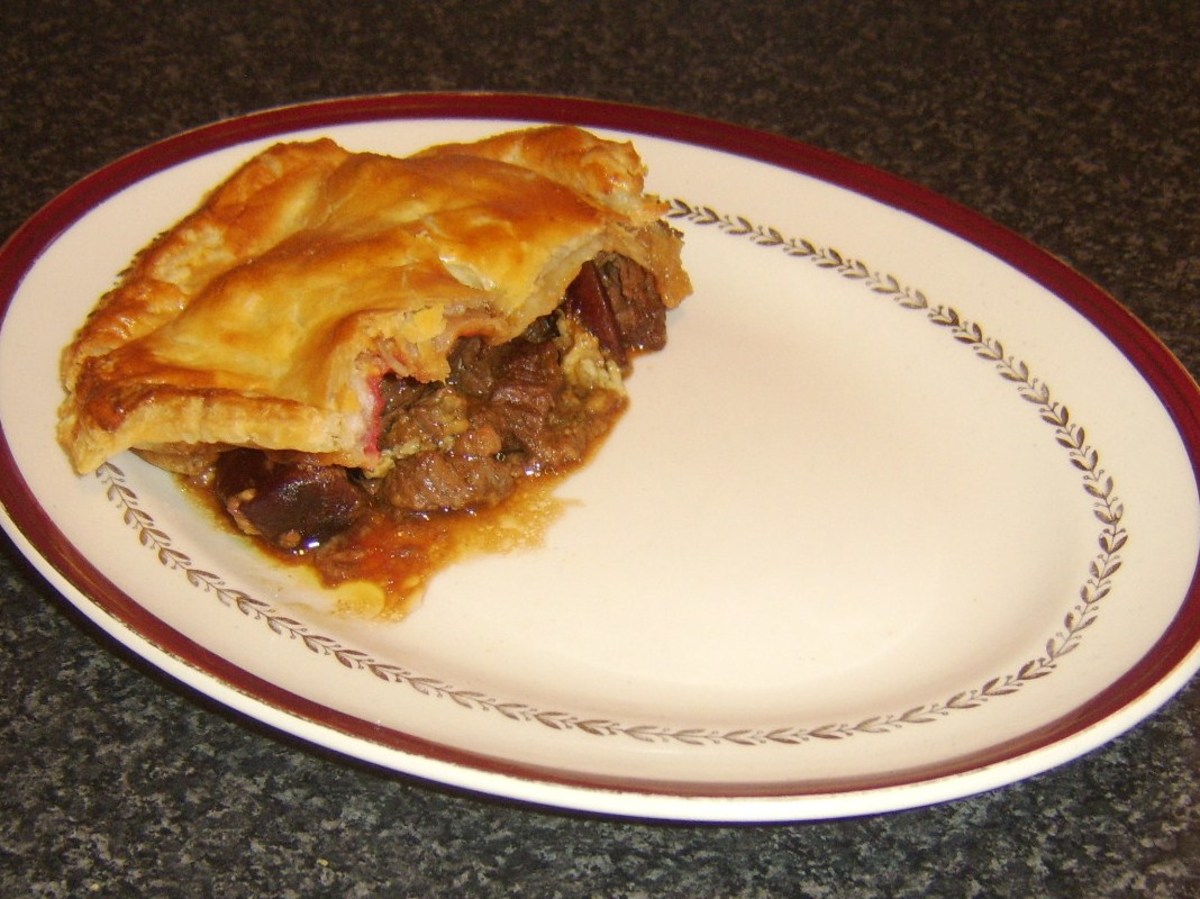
column 892, row 520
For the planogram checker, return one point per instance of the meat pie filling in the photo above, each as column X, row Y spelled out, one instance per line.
column 529, row 407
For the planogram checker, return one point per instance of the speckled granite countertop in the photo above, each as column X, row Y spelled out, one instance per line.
column 1074, row 124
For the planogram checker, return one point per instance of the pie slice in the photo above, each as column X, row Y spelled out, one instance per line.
column 333, row 340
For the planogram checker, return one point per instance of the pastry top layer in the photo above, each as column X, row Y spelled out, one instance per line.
column 267, row 316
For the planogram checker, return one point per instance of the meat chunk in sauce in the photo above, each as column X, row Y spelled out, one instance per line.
column 293, row 505
column 617, row 300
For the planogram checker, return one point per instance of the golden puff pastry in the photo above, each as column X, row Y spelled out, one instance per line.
column 268, row 316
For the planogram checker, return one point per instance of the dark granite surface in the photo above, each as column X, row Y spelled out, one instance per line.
column 1075, row 124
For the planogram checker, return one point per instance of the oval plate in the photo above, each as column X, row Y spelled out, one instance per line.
column 906, row 510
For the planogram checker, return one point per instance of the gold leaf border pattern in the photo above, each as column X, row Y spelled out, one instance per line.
column 1096, row 483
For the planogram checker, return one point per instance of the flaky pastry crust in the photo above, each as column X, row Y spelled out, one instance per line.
column 267, row 317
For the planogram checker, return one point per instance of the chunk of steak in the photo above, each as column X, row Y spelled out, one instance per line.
column 618, row 301
column 295, row 505
column 443, row 482
column 588, row 301
column 636, row 305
